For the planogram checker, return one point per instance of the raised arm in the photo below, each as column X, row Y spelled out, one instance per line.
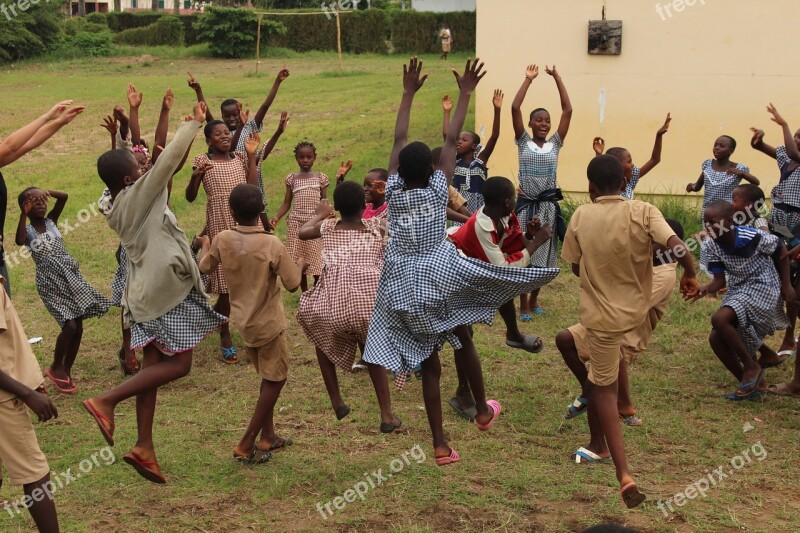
column 58, row 208
column 47, row 131
column 134, row 100
column 488, row 149
column 311, row 229
column 163, row 124
column 195, row 85
column 412, row 82
column 788, row 138
column 251, row 147
column 243, row 118
column 566, row 106
column 757, row 142
column 599, row 146
column 22, row 224
column 447, row 106
column 516, row 106
column 270, row 145
column 341, row 174
column 262, row 111
column 473, row 73
column 14, row 143
column 119, row 114
column 111, row 125
column 655, row 157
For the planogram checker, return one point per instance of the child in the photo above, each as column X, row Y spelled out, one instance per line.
column 335, row 314
column 538, row 164
column 254, row 261
column 755, row 266
column 375, row 194
column 574, row 349
column 220, row 170
column 163, row 299
column 493, row 234
column 305, row 188
column 20, row 143
column 785, row 197
column 447, row 41
column 457, row 211
column 240, row 128
column 616, row 278
column 64, row 292
column 427, row 291
column 633, row 173
column 21, row 388
column 471, row 171
column 262, row 157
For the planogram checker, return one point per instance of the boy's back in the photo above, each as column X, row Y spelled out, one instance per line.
column 611, row 240
column 253, row 261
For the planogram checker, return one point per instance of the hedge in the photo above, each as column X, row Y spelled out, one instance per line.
column 417, row 33
column 167, row 30
column 128, row 20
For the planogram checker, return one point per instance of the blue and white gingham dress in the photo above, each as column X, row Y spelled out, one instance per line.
column 786, row 193
column 754, row 288
column 426, row 288
column 537, row 173
column 468, row 180
column 631, row 185
column 718, row 185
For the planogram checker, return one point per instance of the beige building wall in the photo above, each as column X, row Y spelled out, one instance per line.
column 715, row 65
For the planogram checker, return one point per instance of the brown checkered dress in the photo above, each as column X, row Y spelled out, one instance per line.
column 306, row 194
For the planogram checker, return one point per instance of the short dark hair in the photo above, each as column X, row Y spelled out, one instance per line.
column 724, row 208
column 676, row 227
column 751, row 193
column 537, row 110
column 616, row 151
column 497, row 189
column 227, row 103
column 732, row 140
column 475, row 137
column 114, row 165
column 436, row 155
column 24, row 195
column 305, row 144
column 246, row 201
column 383, row 174
column 348, row 198
column 209, row 128
column 415, row 162
column 606, row 173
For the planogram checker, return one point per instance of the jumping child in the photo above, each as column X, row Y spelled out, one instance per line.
column 633, row 173
column 616, row 277
column 335, row 314
column 254, row 261
column 538, row 164
column 428, row 293
column 59, row 282
column 164, row 300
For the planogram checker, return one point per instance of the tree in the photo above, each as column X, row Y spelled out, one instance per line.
column 176, row 7
column 154, row 5
column 117, row 5
column 81, row 8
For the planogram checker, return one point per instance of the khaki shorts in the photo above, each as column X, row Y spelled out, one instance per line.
column 19, row 449
column 602, row 350
column 271, row 360
column 445, row 47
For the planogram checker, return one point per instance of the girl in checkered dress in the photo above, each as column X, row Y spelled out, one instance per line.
column 719, row 176
column 752, row 307
column 64, row 292
column 335, row 314
column 472, row 157
column 428, row 294
column 538, row 193
column 219, row 171
column 305, row 189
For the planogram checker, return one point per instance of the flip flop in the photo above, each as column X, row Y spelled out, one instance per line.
column 751, row 386
column 469, row 413
column 389, row 428
column 277, row 444
column 142, row 469
column 255, row 457
column 101, row 420
column 577, row 408
column 631, row 495
column 786, row 353
column 450, row 459
column 358, row 367
column 129, row 368
column 734, row 396
column 631, row 420
column 229, row 355
column 538, row 310
column 68, row 386
column 342, row 411
column 589, row 456
column 525, row 317
column 782, row 389
column 496, row 408
column 529, row 344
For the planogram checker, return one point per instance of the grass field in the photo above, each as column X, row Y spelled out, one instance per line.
column 517, row 477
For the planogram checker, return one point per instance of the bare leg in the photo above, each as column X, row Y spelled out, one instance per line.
column 724, row 354
column 603, row 404
column 63, row 344
column 534, row 298
column 565, row 343
column 378, row 376
column 789, row 342
column 74, row 347
column 223, row 307
column 146, row 409
column 624, row 401
column 794, row 385
column 597, row 439
column 769, row 356
column 463, row 392
column 724, row 322
column 43, row 511
column 127, row 353
column 472, row 366
column 262, row 420
column 508, row 312
column 431, row 394
column 328, row 370
column 524, row 305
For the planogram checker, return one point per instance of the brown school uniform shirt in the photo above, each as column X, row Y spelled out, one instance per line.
column 16, row 357
column 611, row 240
column 253, row 261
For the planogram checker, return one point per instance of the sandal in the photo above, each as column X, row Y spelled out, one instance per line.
column 277, row 444
column 746, row 389
column 538, row 311
column 62, row 385
column 469, row 413
column 342, row 411
column 577, row 408
column 102, row 422
column 782, row 389
column 585, row 456
column 255, row 457
column 525, row 317
column 496, row 408
column 229, row 355
column 389, row 428
column 532, row 344
column 631, row 495
column 753, row 395
column 129, row 367
column 145, row 468
column 449, row 459
column 631, row 420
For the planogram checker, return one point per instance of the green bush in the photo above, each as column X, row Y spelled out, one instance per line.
column 166, row 31
column 418, row 32
column 85, row 43
column 31, row 32
column 365, row 32
column 82, row 24
column 191, row 35
column 97, row 18
column 231, row 32
column 126, row 20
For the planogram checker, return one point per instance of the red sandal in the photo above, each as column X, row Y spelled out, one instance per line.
column 141, row 467
column 62, row 385
column 101, row 420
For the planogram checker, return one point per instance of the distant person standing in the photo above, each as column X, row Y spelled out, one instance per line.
column 447, row 41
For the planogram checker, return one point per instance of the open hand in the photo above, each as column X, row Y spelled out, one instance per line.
column 57, row 109
column 41, row 405
column 284, row 122
column 552, row 71
column 199, row 172
column 447, row 103
column 70, row 115
column 134, row 98
column 199, row 111
column 169, row 98
column 665, row 128
column 531, row 72
column 324, row 209
column 599, row 145
column 412, row 75
column 252, row 143
column 243, row 116
column 473, row 73
column 344, row 168
column 758, row 137
column 110, row 124
column 497, row 99
column 776, row 117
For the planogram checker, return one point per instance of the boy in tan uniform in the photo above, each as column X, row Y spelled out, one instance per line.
column 608, row 243
column 21, row 389
column 253, row 261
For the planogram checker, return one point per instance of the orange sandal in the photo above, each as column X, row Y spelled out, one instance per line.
column 145, row 468
column 102, row 422
column 62, row 385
